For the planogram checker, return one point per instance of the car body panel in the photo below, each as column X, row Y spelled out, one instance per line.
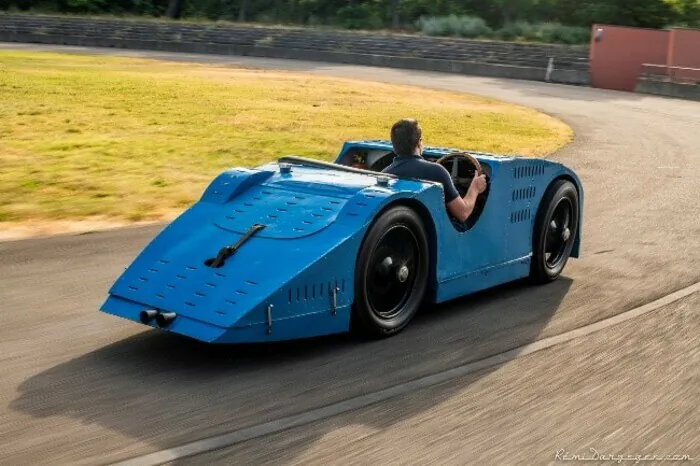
column 295, row 277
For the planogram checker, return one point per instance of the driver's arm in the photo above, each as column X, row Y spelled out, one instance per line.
column 462, row 207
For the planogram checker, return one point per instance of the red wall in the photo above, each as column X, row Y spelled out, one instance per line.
column 616, row 59
column 684, row 49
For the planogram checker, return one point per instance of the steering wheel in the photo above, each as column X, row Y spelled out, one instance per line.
column 463, row 182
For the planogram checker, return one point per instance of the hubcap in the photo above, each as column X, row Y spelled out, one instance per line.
column 389, row 280
column 558, row 234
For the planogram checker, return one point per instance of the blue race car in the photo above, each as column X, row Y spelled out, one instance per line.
column 301, row 248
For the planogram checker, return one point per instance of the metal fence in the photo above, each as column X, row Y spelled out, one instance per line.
column 674, row 74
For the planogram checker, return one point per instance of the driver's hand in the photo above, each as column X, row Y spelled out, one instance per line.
column 479, row 183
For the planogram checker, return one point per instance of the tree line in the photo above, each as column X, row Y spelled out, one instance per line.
column 472, row 18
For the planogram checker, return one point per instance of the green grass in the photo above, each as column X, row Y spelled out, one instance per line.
column 129, row 139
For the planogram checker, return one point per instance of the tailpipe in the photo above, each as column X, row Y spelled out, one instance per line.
column 165, row 319
column 147, row 316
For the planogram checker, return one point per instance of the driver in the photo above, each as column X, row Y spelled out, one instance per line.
column 407, row 139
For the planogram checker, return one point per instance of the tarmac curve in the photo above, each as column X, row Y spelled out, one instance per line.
column 81, row 388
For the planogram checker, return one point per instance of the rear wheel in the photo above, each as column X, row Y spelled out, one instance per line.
column 556, row 226
column 391, row 274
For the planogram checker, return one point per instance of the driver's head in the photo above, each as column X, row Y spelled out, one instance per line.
column 407, row 137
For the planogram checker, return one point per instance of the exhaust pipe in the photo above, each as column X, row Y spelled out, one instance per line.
column 147, row 316
column 163, row 320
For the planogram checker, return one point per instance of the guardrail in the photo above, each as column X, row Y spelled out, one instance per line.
column 673, row 74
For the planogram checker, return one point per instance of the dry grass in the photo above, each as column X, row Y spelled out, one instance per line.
column 126, row 140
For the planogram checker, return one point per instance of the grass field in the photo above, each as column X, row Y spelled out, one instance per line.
column 124, row 140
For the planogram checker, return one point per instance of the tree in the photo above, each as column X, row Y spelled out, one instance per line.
column 643, row 13
column 245, row 6
column 687, row 12
column 174, row 9
column 395, row 19
column 513, row 10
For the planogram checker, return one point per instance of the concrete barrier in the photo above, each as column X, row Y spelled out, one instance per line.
column 462, row 56
column 668, row 89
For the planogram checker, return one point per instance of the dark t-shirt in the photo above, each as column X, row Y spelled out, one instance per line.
column 415, row 166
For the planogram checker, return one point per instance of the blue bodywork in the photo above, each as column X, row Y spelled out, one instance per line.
column 295, row 278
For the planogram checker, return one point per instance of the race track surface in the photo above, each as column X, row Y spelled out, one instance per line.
column 80, row 387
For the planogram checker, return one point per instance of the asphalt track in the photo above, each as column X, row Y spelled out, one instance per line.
column 79, row 387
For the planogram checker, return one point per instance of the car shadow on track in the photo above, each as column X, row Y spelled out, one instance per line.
column 183, row 390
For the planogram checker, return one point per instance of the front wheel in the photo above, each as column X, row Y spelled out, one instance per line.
column 556, row 226
column 391, row 274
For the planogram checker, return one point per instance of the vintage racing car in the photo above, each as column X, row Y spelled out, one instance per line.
column 300, row 248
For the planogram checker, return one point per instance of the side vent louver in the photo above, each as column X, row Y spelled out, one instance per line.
column 528, row 171
column 520, row 216
column 523, row 193
column 315, row 291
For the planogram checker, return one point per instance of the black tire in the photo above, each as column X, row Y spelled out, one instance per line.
column 560, row 200
column 384, row 304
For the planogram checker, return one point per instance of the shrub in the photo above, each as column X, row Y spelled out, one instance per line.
column 473, row 26
column 557, row 33
column 453, row 25
column 358, row 17
column 514, row 31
